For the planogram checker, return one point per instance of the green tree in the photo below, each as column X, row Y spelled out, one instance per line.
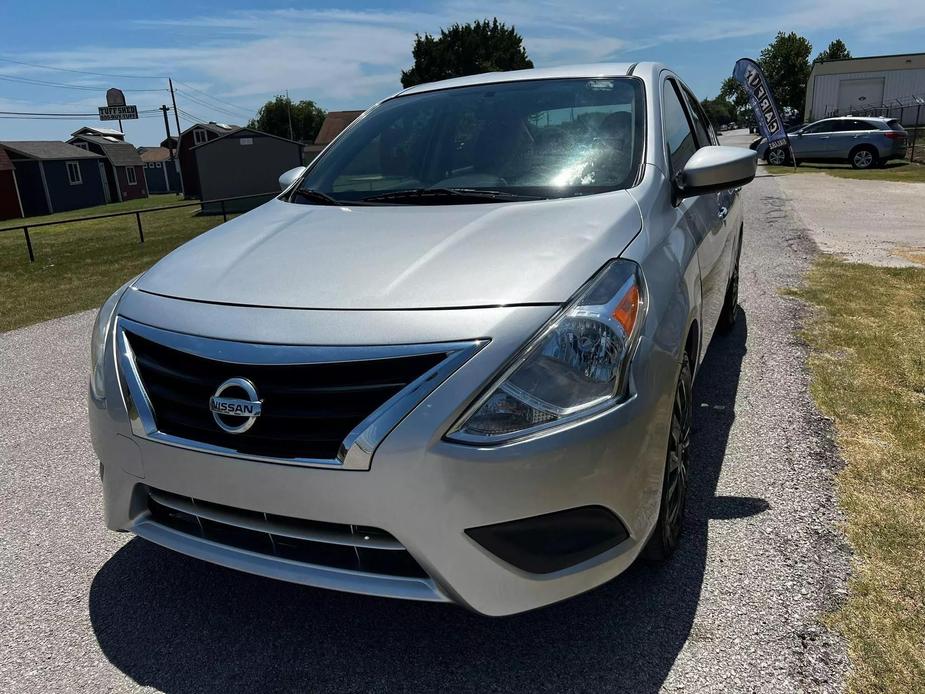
column 837, row 50
column 718, row 110
column 273, row 117
column 466, row 49
column 785, row 62
column 733, row 94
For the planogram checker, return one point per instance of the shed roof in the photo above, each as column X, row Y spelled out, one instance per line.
column 217, row 128
column 5, row 163
column 91, row 130
column 258, row 133
column 119, row 153
column 154, row 153
column 47, row 149
column 334, row 123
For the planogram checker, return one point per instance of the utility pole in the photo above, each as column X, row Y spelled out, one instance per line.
column 176, row 115
column 163, row 109
column 289, row 111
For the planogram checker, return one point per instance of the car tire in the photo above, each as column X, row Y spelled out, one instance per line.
column 863, row 158
column 730, row 312
column 776, row 157
column 664, row 539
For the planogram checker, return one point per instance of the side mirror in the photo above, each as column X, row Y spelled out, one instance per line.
column 290, row 177
column 716, row 168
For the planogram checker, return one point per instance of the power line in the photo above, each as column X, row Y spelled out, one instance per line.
column 215, row 98
column 191, row 117
column 83, row 72
column 59, row 85
column 62, row 118
column 208, row 105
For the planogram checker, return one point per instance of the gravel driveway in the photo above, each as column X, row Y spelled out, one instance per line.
column 863, row 221
column 737, row 609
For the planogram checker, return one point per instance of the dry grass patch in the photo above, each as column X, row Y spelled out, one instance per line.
column 868, row 373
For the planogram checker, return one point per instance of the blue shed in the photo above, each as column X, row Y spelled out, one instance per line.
column 55, row 176
column 161, row 170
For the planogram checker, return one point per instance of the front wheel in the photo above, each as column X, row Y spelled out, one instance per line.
column 777, row 157
column 667, row 531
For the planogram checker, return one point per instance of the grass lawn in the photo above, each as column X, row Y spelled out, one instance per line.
column 893, row 171
column 78, row 265
column 867, row 362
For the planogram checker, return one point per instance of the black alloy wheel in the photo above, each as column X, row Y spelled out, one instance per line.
column 667, row 531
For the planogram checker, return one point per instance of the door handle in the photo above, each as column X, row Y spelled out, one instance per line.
column 723, row 211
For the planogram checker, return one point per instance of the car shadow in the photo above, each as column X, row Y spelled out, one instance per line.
column 182, row 625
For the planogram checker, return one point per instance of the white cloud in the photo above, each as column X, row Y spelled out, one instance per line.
column 350, row 57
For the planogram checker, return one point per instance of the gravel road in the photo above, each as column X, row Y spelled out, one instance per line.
column 737, row 609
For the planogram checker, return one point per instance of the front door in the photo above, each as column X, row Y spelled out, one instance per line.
column 815, row 141
column 105, row 179
column 703, row 215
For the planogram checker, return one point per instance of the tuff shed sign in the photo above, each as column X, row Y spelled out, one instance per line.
column 118, row 112
column 115, row 108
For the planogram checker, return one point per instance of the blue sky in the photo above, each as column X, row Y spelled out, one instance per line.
column 227, row 58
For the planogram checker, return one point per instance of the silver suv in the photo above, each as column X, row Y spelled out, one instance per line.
column 861, row 142
column 452, row 361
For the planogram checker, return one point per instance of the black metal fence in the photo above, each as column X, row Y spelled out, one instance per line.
column 223, row 206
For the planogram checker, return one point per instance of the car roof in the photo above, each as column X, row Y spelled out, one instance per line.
column 881, row 118
column 561, row 72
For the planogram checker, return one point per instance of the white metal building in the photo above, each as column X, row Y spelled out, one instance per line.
column 840, row 87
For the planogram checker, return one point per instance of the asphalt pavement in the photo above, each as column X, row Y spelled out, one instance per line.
column 736, row 610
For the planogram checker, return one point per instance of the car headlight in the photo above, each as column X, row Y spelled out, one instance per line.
column 101, row 329
column 575, row 366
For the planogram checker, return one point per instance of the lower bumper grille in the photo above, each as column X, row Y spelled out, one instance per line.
column 334, row 545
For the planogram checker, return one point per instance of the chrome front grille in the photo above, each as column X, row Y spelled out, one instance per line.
column 321, row 406
column 332, row 545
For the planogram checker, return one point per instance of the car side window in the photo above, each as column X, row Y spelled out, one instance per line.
column 702, row 127
column 678, row 133
column 824, row 127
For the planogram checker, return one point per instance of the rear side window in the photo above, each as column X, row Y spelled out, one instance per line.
column 855, row 125
column 678, row 133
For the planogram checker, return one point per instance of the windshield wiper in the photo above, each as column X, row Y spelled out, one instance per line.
column 450, row 194
column 316, row 196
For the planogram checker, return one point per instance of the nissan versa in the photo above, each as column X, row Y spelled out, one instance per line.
column 452, row 361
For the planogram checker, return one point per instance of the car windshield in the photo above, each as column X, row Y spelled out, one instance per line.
column 487, row 143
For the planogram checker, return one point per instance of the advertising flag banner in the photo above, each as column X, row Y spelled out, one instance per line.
column 749, row 75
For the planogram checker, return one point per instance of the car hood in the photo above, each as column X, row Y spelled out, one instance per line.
column 400, row 256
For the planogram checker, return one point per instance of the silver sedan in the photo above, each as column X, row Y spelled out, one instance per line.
column 452, row 361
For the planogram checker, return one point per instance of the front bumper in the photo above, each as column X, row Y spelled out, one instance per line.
column 422, row 490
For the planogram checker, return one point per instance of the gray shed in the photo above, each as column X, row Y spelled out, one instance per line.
column 244, row 162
